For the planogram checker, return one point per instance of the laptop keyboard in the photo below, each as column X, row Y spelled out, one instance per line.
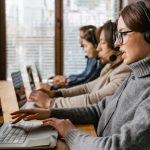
column 15, row 133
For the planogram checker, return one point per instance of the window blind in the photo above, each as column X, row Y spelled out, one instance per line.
column 78, row 13
column 30, row 35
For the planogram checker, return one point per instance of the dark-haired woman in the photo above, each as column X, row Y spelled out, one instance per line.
column 93, row 68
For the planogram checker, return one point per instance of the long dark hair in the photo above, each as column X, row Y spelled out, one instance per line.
column 87, row 27
column 90, row 36
column 109, row 30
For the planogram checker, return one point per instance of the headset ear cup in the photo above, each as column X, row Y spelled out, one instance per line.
column 147, row 36
column 114, row 27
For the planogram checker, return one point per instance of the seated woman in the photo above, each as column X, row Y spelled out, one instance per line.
column 93, row 66
column 111, row 77
column 123, row 120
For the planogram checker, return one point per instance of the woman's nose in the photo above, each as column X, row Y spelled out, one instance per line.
column 116, row 44
column 98, row 48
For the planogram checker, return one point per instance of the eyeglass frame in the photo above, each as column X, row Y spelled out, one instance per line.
column 120, row 39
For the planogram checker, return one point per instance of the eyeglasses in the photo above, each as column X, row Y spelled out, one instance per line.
column 122, row 37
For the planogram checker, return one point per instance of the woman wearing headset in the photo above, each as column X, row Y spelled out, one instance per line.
column 123, row 120
column 93, row 67
column 111, row 77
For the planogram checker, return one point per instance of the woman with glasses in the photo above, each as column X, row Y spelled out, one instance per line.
column 123, row 120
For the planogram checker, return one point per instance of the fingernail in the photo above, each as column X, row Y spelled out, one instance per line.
column 25, row 119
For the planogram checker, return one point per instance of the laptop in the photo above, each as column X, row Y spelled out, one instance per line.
column 25, row 134
column 49, row 81
column 19, row 88
column 1, row 114
column 20, row 92
column 31, row 78
column 38, row 73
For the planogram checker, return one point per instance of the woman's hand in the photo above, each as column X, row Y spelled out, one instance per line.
column 30, row 114
column 63, row 126
column 41, row 99
column 59, row 80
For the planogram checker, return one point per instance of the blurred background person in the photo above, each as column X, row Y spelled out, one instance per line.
column 89, row 42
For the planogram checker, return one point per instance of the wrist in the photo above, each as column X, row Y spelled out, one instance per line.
column 70, row 133
column 51, row 104
column 67, row 81
column 57, row 94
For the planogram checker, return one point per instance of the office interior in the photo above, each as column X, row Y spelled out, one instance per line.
column 45, row 33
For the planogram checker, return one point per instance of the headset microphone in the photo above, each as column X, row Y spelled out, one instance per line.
column 112, row 57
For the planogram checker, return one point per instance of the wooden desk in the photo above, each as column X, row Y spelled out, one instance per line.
column 9, row 103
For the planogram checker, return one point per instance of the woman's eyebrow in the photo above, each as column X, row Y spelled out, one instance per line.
column 122, row 29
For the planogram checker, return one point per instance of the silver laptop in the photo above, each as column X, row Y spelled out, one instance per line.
column 31, row 78
column 20, row 91
column 38, row 73
column 25, row 134
column 49, row 81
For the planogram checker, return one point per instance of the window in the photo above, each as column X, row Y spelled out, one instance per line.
column 30, row 35
column 30, row 26
column 76, row 14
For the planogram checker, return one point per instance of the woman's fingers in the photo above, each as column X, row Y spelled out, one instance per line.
column 23, row 111
column 32, row 117
column 19, row 118
column 16, row 116
column 51, row 119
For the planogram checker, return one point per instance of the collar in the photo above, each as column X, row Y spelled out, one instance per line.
column 141, row 68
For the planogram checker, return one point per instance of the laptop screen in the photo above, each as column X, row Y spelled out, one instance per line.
column 19, row 88
column 31, row 79
column 38, row 73
column 1, row 114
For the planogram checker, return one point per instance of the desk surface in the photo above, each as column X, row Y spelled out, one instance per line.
column 9, row 103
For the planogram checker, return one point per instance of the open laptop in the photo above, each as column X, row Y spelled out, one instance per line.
column 31, row 78
column 25, row 134
column 1, row 114
column 20, row 92
column 38, row 73
column 49, row 81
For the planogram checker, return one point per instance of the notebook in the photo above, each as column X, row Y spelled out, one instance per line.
column 25, row 134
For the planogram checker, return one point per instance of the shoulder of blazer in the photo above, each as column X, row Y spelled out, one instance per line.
column 121, row 68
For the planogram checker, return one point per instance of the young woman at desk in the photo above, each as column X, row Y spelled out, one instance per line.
column 89, row 42
column 123, row 120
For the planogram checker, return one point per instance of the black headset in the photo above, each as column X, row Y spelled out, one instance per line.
column 114, row 56
column 114, row 28
column 147, row 14
column 93, row 37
